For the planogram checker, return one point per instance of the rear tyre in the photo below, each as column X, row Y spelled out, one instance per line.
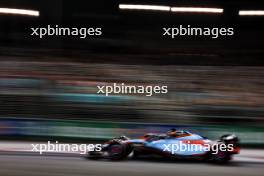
column 229, row 138
column 221, row 157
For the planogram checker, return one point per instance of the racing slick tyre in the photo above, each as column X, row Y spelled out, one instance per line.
column 117, row 152
column 230, row 139
column 221, row 157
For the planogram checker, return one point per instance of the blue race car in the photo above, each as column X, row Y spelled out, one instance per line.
column 174, row 144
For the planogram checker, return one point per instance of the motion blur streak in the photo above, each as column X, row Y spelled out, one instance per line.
column 71, row 166
column 200, row 94
column 19, row 12
column 48, row 86
column 144, row 7
column 251, row 12
column 173, row 9
column 197, row 9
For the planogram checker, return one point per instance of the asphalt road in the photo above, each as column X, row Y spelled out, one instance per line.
column 24, row 165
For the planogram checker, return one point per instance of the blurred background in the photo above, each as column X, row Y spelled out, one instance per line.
column 48, row 87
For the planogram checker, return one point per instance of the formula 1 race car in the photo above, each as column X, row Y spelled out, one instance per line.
column 173, row 144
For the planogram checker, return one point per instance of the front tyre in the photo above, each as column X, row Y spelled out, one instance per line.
column 117, row 152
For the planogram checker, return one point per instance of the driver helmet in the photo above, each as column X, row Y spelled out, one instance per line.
column 172, row 132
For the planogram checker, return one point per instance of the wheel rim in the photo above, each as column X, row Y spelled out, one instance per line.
column 116, row 150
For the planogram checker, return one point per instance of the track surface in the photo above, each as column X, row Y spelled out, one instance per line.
column 23, row 165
